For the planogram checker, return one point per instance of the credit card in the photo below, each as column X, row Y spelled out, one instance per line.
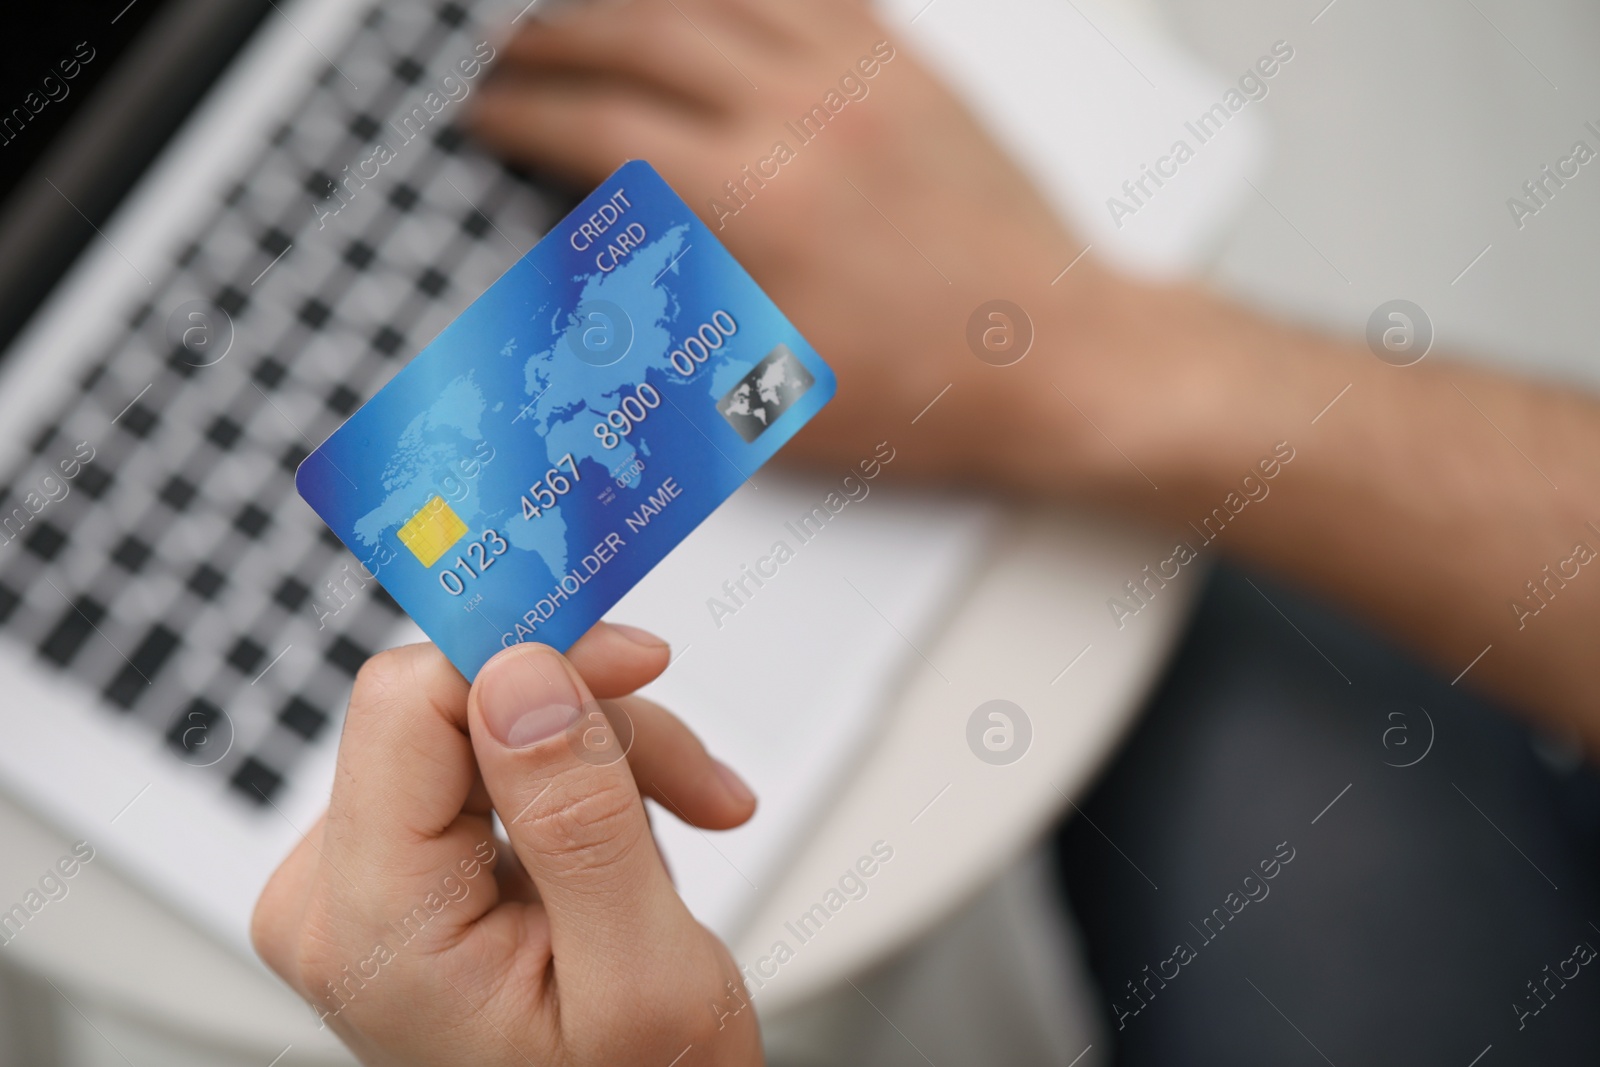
column 561, row 436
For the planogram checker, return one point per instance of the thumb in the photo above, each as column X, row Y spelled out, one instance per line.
column 574, row 819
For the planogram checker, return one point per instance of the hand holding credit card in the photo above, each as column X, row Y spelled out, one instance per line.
column 569, row 428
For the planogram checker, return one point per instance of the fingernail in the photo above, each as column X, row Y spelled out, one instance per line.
column 527, row 697
column 735, row 785
column 639, row 637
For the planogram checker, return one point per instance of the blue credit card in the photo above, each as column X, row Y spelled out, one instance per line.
column 561, row 436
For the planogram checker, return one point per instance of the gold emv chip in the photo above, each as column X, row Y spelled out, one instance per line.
column 430, row 532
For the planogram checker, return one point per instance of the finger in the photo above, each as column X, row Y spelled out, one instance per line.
column 652, row 45
column 673, row 768
column 404, row 811
column 578, row 827
column 584, row 132
column 616, row 659
column 280, row 910
column 791, row 25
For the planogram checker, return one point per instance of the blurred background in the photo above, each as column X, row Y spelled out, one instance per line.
column 176, row 172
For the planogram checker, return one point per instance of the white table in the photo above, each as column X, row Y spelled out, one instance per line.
column 135, row 980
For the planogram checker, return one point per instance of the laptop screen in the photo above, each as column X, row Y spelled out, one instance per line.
column 51, row 62
column 90, row 91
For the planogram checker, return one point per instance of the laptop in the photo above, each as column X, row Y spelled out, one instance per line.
column 178, row 631
column 192, row 298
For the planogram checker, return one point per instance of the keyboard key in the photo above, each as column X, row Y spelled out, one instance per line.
column 269, row 373
column 294, row 454
column 138, row 420
column 320, row 184
column 314, row 313
column 44, row 440
column 452, row 14
column 246, row 655
column 291, row 593
column 475, row 224
column 387, row 340
column 178, row 493
column 256, row 780
column 303, row 717
column 274, row 241
column 181, row 361
column 404, row 197
column 251, row 521
column 94, row 481
column 131, row 554
column 66, row 638
column 432, row 282
column 230, row 300
column 449, row 139
column 133, row 680
column 46, row 540
column 347, row 655
column 343, row 400
column 206, row 581
column 409, row 70
column 200, row 724
column 360, row 255
column 224, row 432
column 364, row 127
column 8, row 603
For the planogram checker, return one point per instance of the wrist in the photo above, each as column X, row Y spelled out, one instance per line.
column 1161, row 396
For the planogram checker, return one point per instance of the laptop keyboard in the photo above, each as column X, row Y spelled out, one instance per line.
column 177, row 573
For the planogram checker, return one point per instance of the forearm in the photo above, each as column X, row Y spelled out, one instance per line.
column 888, row 242
column 1450, row 506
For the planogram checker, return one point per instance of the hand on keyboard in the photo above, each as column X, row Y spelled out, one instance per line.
column 845, row 177
column 422, row 938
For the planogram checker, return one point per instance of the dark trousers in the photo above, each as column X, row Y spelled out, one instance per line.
column 1316, row 851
